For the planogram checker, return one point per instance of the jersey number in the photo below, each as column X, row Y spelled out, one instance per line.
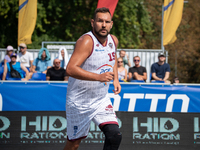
column 111, row 56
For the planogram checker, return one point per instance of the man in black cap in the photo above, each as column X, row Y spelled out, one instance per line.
column 160, row 70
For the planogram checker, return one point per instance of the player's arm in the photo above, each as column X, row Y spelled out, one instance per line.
column 82, row 51
column 116, row 84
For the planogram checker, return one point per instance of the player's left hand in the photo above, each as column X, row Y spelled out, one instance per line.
column 117, row 87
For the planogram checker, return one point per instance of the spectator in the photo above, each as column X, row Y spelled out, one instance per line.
column 16, row 66
column 176, row 80
column 126, row 60
column 137, row 72
column 56, row 73
column 8, row 53
column 160, row 70
column 42, row 62
column 122, row 72
column 63, row 57
column 26, row 58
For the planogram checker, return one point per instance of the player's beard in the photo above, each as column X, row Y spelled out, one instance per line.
column 99, row 34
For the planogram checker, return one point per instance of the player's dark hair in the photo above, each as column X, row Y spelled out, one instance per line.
column 101, row 10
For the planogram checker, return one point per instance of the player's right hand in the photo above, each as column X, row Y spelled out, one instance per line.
column 106, row 77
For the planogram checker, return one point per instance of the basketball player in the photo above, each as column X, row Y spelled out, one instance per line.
column 93, row 64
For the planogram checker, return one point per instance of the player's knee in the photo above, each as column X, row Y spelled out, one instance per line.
column 115, row 139
column 113, row 136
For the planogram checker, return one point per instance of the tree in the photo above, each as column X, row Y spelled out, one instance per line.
column 131, row 23
column 62, row 20
column 187, row 45
column 9, row 22
column 59, row 20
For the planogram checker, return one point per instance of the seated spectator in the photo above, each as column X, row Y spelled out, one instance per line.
column 56, row 73
column 176, row 80
column 125, row 58
column 16, row 66
column 137, row 72
column 122, row 72
column 8, row 53
column 63, row 57
column 24, row 57
column 160, row 70
column 42, row 62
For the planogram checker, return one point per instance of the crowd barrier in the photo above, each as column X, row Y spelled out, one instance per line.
column 151, row 116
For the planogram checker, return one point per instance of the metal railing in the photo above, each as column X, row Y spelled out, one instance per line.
column 147, row 56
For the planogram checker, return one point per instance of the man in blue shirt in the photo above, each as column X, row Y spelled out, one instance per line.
column 160, row 70
column 42, row 62
column 17, row 66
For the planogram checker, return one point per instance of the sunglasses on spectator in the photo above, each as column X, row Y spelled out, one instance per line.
column 21, row 47
column 120, row 61
column 136, row 60
column 57, row 62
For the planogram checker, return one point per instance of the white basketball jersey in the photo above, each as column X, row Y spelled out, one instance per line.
column 84, row 94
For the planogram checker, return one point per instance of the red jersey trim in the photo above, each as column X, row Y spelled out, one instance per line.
column 76, row 139
column 92, row 46
column 109, row 122
column 106, row 42
column 100, row 42
column 114, row 43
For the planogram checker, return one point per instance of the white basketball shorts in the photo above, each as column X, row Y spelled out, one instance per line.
column 78, row 124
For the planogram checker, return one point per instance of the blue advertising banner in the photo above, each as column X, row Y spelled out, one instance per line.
column 51, row 96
